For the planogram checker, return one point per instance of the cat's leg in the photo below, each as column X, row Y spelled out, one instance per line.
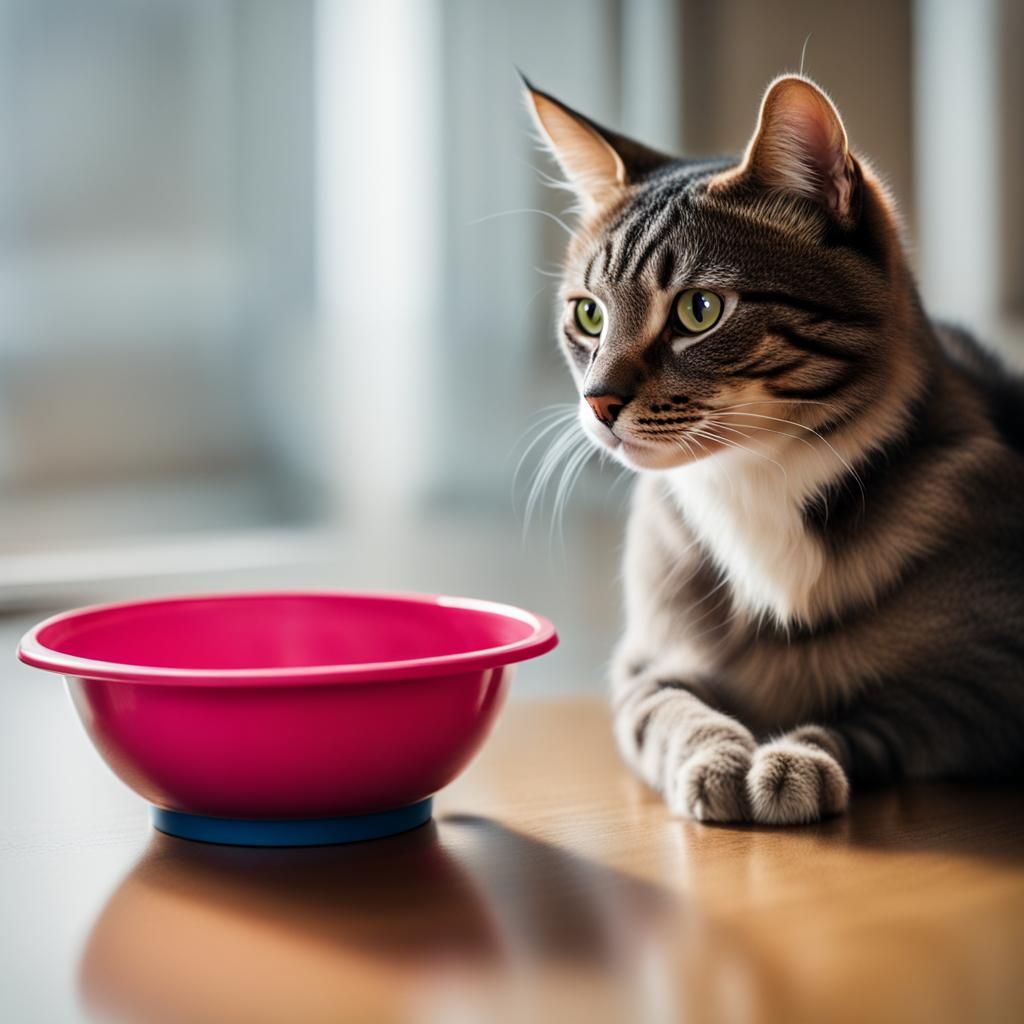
column 697, row 757
column 936, row 727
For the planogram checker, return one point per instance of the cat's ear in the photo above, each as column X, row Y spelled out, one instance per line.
column 800, row 146
column 598, row 163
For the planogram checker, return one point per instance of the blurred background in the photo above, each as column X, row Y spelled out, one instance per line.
column 274, row 308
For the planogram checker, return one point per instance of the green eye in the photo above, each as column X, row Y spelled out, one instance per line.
column 696, row 311
column 589, row 317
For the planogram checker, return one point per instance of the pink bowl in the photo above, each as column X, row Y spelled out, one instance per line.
column 286, row 718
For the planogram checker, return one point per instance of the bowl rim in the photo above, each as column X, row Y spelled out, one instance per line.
column 542, row 639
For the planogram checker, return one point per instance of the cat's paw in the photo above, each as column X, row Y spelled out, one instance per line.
column 711, row 784
column 792, row 783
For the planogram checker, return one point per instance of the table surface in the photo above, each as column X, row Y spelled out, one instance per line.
column 550, row 886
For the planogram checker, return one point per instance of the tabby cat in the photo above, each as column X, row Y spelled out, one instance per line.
column 824, row 566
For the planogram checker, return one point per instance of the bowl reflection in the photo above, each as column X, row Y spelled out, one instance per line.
column 465, row 919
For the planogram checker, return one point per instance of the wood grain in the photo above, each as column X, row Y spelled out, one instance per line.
column 552, row 886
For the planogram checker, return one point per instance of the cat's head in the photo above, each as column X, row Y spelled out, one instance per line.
column 705, row 299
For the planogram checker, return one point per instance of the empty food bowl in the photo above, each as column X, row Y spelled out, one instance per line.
column 288, row 719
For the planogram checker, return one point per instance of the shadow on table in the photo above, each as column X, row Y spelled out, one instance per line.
column 975, row 820
column 465, row 910
column 984, row 821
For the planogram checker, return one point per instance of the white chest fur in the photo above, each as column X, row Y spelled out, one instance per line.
column 748, row 513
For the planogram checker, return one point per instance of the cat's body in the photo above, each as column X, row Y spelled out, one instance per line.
column 824, row 566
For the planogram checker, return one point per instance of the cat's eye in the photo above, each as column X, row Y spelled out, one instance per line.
column 696, row 311
column 589, row 317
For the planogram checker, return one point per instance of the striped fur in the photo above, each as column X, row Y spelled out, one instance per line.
column 824, row 566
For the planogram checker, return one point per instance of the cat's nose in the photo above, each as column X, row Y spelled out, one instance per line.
column 606, row 407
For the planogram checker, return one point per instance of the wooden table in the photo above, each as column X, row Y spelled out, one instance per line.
column 550, row 887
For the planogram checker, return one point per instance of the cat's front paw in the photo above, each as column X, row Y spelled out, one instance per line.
column 711, row 784
column 792, row 783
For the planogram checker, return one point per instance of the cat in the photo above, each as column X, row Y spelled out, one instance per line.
column 824, row 562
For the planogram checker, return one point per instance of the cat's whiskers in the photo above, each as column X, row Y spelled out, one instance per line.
column 750, row 426
column 711, row 436
column 549, row 180
column 547, row 420
column 726, row 475
column 624, row 474
column 843, row 461
column 782, row 433
column 561, row 448
column 526, row 209
column 570, row 475
column 556, row 274
column 689, row 447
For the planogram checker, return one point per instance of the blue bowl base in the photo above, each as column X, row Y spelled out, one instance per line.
column 288, row 832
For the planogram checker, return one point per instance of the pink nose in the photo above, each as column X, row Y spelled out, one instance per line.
column 606, row 407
